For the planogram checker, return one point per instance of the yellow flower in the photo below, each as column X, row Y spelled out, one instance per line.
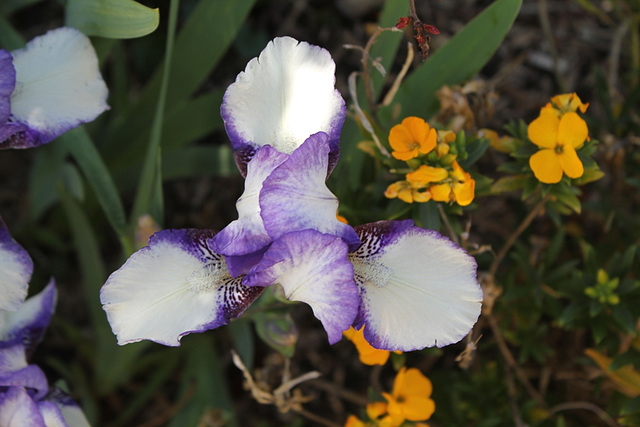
column 353, row 421
column 459, row 187
column 503, row 144
column 368, row 354
column 412, row 137
column 408, row 192
column 410, row 398
column 558, row 138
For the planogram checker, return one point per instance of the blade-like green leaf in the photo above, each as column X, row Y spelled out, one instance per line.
column 460, row 59
column 10, row 39
column 116, row 19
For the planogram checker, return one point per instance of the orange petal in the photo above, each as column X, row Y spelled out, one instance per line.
column 441, row 192
column 405, row 155
column 418, row 408
column 398, row 382
column 429, row 143
column 368, row 355
column 353, row 421
column 417, row 127
column 543, row 130
column 546, row 166
column 570, row 163
column 464, row 192
column 376, row 409
column 414, row 384
column 421, row 196
column 427, row 174
column 572, row 130
column 400, row 138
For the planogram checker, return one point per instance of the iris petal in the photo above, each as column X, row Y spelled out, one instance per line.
column 281, row 98
column 58, row 86
column 18, row 409
column 174, row 286
column 16, row 267
column 313, row 268
column 417, row 289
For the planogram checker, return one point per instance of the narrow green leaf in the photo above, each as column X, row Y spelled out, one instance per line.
column 429, row 215
column 10, row 39
column 117, row 19
column 83, row 150
column 204, row 38
column 509, row 183
column 632, row 407
column 460, row 59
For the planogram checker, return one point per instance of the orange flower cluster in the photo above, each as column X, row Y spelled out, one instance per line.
column 410, row 400
column 558, row 131
column 439, row 177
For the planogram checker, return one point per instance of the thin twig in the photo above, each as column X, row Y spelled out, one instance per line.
column 452, row 234
column 545, row 24
column 513, row 400
column 587, row 406
column 388, row 98
column 333, row 388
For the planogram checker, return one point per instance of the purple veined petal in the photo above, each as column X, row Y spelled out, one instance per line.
column 16, row 267
column 281, row 98
column 242, row 264
column 18, row 409
column 58, row 87
column 60, row 410
column 313, row 268
column 175, row 286
column 417, row 288
column 29, row 323
column 247, row 234
column 14, row 370
column 7, row 84
column 295, row 196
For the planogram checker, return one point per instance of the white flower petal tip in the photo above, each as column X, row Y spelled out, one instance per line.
column 16, row 267
column 417, row 288
column 58, row 86
column 175, row 286
column 281, row 98
column 312, row 268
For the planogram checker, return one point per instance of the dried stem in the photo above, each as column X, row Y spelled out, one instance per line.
column 543, row 14
column 606, row 418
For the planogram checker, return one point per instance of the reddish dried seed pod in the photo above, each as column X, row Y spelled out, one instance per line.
column 403, row 22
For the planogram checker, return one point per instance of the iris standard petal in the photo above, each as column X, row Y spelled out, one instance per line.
column 59, row 409
column 247, row 234
column 417, row 288
column 295, row 197
column 281, row 98
column 18, row 409
column 572, row 130
column 175, row 286
column 546, row 166
column 313, row 268
column 15, row 371
column 7, row 84
column 16, row 267
column 543, row 131
column 29, row 323
column 58, row 86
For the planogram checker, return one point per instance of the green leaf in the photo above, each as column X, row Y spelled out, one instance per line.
column 509, row 183
column 460, row 59
column 429, row 215
column 624, row 319
column 10, row 39
column 116, row 19
column 243, row 342
column 475, row 150
column 632, row 407
column 204, row 38
column 81, row 147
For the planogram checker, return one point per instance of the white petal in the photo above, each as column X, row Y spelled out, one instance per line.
column 175, row 286
column 58, row 83
column 417, row 288
column 17, row 409
column 16, row 268
column 284, row 96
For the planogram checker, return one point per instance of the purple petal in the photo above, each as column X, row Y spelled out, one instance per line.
column 281, row 98
column 18, row 409
column 241, row 264
column 29, row 323
column 14, row 370
column 7, row 84
column 60, row 410
column 417, row 288
column 295, row 197
column 247, row 234
column 58, row 87
column 313, row 268
column 16, row 267
column 175, row 286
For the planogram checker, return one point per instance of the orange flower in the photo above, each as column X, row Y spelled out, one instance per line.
column 459, row 187
column 410, row 398
column 408, row 192
column 558, row 138
column 569, row 102
column 353, row 421
column 427, row 174
column 368, row 354
column 411, row 138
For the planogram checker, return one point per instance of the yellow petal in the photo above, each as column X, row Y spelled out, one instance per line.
column 543, row 130
column 546, row 166
column 417, row 127
column 398, row 382
column 406, row 195
column 427, row 174
column 464, row 192
column 570, row 163
column 572, row 130
column 353, row 421
column 376, row 409
column 414, row 383
column 441, row 192
column 429, row 143
column 418, row 408
column 421, row 196
column 567, row 102
column 368, row 355
column 400, row 138
column 405, row 155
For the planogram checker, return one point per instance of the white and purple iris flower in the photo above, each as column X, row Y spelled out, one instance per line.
column 50, row 86
column 411, row 288
column 26, row 399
